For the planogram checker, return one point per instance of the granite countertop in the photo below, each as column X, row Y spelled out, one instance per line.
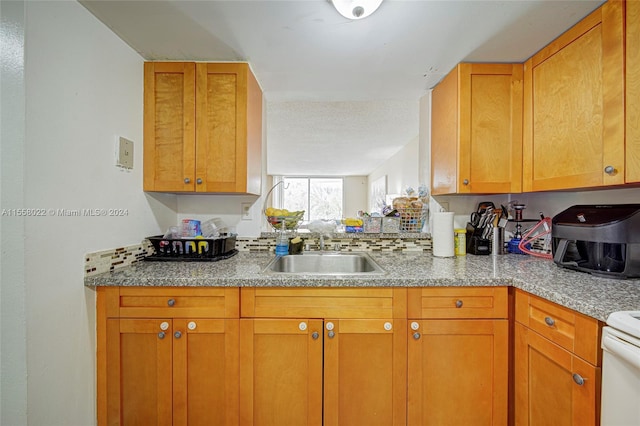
column 594, row 296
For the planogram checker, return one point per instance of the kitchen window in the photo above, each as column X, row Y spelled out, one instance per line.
column 319, row 197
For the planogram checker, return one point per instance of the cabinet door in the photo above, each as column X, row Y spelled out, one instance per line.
column 365, row 372
column 229, row 128
column 280, row 372
column 490, row 154
column 476, row 142
column 205, row 372
column 633, row 91
column 169, row 126
column 574, row 106
column 553, row 386
column 138, row 372
column 444, row 135
column 458, row 372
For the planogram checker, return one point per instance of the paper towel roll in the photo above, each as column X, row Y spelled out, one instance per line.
column 442, row 234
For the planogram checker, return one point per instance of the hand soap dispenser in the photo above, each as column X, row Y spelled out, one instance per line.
column 282, row 243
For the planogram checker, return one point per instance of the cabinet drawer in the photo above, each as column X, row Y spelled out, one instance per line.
column 323, row 302
column 458, row 302
column 571, row 330
column 170, row 302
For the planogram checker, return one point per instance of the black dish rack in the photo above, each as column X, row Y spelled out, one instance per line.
column 192, row 249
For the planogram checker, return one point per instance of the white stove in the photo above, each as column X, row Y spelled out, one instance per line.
column 621, row 370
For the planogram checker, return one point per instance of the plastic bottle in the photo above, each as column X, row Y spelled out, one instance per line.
column 282, row 244
column 460, row 242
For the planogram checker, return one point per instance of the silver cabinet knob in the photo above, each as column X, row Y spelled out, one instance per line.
column 416, row 335
column 331, row 334
column 549, row 321
column 458, row 303
column 578, row 379
column 315, row 335
column 187, row 180
column 177, row 335
column 388, row 326
column 171, row 302
column 199, row 181
column 465, row 182
column 302, row 326
column 609, row 170
column 192, row 325
column 161, row 335
column 415, row 325
column 329, row 326
column 164, row 326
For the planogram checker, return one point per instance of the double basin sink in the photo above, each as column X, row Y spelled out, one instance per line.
column 325, row 263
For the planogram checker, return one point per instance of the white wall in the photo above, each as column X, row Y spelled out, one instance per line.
column 355, row 195
column 401, row 169
column 13, row 333
column 84, row 87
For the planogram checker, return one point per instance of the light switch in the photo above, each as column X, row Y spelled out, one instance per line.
column 246, row 211
column 124, row 157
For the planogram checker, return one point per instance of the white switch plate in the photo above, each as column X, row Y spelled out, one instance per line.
column 246, row 211
column 124, row 153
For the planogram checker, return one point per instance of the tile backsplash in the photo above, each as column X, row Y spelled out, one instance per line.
column 121, row 257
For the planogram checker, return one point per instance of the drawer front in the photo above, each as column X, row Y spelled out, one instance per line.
column 458, row 302
column 323, row 302
column 172, row 302
column 571, row 330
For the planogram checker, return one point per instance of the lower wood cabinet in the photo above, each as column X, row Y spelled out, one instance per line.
column 167, row 370
column 315, row 372
column 347, row 367
column 343, row 357
column 458, row 356
column 557, row 373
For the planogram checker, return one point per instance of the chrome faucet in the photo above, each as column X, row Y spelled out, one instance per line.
column 336, row 246
column 322, row 241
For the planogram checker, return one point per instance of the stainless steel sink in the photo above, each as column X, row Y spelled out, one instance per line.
column 325, row 263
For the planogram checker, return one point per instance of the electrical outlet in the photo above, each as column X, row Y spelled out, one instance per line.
column 246, row 211
column 124, row 157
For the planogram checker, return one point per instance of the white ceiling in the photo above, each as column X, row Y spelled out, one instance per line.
column 342, row 96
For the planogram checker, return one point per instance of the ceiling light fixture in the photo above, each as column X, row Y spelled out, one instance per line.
column 356, row 9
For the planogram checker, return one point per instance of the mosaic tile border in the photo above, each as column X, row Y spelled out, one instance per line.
column 110, row 260
column 122, row 257
column 381, row 243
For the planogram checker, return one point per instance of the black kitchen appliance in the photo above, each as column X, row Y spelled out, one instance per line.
column 599, row 239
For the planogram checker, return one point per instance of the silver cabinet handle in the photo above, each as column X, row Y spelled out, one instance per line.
column 177, row 335
column 187, row 180
column 161, row 335
column 465, row 182
column 609, row 170
column 415, row 325
column 192, row 325
column 315, row 335
column 458, row 303
column 549, row 321
column 416, row 335
column 171, row 302
column 578, row 379
column 331, row 334
column 199, row 181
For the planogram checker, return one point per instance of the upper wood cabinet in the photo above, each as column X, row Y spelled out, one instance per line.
column 574, row 134
column 202, row 128
column 633, row 92
column 476, row 130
